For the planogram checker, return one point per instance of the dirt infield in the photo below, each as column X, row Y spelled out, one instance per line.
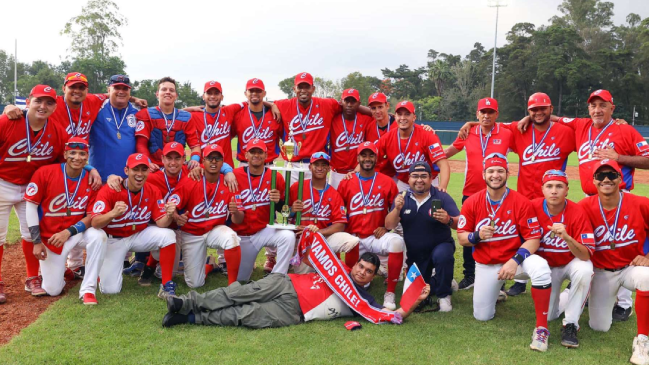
column 21, row 308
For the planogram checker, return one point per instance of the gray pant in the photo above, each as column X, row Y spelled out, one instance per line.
column 269, row 302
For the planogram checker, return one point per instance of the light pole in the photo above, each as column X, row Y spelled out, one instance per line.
column 495, row 4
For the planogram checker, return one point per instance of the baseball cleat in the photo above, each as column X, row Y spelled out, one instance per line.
column 569, row 336
column 33, row 285
column 445, row 304
column 172, row 319
column 3, row 297
column 388, row 301
column 516, row 289
column 620, row 314
column 146, row 277
column 79, row 272
column 68, row 275
column 89, row 299
column 540, row 339
column 466, row 283
column 167, row 290
column 174, row 304
column 135, row 269
column 269, row 265
column 640, row 354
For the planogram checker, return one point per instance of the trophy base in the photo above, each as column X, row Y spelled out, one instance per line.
column 291, row 227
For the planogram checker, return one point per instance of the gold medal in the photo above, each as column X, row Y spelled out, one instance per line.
column 364, row 210
column 612, row 244
column 492, row 223
column 167, row 138
column 254, row 207
column 68, row 213
column 29, row 158
column 552, row 235
column 590, row 156
column 119, row 135
column 347, row 149
column 315, row 221
column 533, row 158
column 207, row 214
column 133, row 227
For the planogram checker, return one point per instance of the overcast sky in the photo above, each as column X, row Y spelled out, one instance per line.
column 233, row 41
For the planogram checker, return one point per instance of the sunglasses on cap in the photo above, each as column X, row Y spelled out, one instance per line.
column 321, row 155
column 77, row 146
column 611, row 175
column 75, row 77
column 555, row 173
column 119, row 79
column 496, row 154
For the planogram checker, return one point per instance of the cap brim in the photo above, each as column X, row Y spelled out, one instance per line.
column 74, row 82
column 598, row 97
column 213, row 87
column 42, row 96
column 120, row 84
column 139, row 164
column 297, row 83
column 319, row 159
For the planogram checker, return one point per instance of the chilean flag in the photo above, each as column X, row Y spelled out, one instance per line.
column 412, row 287
column 643, row 146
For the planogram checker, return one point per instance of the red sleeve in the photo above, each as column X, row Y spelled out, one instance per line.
column 382, row 148
column 283, row 105
column 233, row 109
column 528, row 223
column 142, row 145
column 584, row 227
column 342, row 191
column 571, row 122
column 333, row 105
column 157, row 205
column 143, row 127
column 466, row 222
column 192, row 132
column 36, row 188
column 370, row 130
column 96, row 100
column 4, row 127
column 459, row 143
column 435, row 148
column 513, row 126
column 180, row 194
column 637, row 144
column 103, row 204
column 337, row 209
column 394, row 191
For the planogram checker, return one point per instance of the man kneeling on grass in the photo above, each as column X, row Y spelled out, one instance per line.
column 277, row 300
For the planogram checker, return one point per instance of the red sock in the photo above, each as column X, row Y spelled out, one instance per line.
column 167, row 258
column 151, row 262
column 351, row 257
column 233, row 260
column 395, row 263
column 31, row 262
column 2, row 250
column 541, row 298
column 208, row 269
column 642, row 311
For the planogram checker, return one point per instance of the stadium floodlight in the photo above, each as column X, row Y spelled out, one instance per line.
column 495, row 4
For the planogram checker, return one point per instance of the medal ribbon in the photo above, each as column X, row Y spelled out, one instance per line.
column 611, row 230
column 130, row 202
column 70, row 199
column 500, row 203
column 123, row 116
column 366, row 198
column 216, row 123
column 349, row 143
column 209, row 204
column 72, row 128
column 30, row 147
column 173, row 120
column 407, row 143
column 591, row 142
column 535, row 147
column 169, row 189
column 484, row 143
column 303, row 123
column 316, row 208
column 252, row 191
column 261, row 123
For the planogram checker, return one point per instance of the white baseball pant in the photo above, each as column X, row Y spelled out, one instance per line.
column 281, row 239
column 603, row 292
column 389, row 242
column 487, row 286
column 53, row 267
column 580, row 274
column 194, row 251
column 151, row 238
column 11, row 196
column 339, row 242
column 75, row 257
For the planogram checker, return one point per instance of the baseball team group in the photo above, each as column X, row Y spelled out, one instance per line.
column 105, row 186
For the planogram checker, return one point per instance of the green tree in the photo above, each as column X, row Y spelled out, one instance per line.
column 286, row 86
column 366, row 85
column 146, row 89
column 187, row 96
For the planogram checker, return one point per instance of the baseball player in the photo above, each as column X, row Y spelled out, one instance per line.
column 256, row 194
column 32, row 141
column 501, row 226
column 61, row 194
column 378, row 104
column 620, row 258
column 567, row 243
column 124, row 216
column 204, row 207
column 409, row 143
column 368, row 196
column 322, row 209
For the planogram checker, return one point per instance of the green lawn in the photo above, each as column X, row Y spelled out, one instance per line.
column 126, row 328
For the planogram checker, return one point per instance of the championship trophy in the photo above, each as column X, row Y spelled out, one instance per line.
column 288, row 149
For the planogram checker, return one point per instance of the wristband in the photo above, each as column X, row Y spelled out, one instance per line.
column 521, row 255
column 450, row 223
column 196, row 157
column 474, row 237
column 88, row 167
column 72, row 230
column 77, row 228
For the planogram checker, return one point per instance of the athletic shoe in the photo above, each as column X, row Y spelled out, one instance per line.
column 422, row 306
column 222, row 268
column 167, row 290
column 269, row 264
column 516, row 289
column 569, row 336
column 454, row 286
column 620, row 314
column 68, row 275
column 89, row 299
column 466, row 283
column 383, row 270
column 640, row 350
column 388, row 301
column 79, row 272
column 3, row 297
column 445, row 304
column 146, row 277
column 172, row 319
column 174, row 304
column 134, row 269
column 540, row 339
column 502, row 297
column 33, row 285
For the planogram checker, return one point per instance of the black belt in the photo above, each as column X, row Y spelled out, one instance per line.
column 114, row 236
column 619, row 269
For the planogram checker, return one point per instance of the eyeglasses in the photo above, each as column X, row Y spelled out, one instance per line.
column 77, row 146
column 496, row 154
column 555, row 173
column 420, row 177
column 121, row 79
column 214, row 158
column 321, row 155
column 611, row 175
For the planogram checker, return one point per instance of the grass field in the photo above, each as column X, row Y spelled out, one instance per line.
column 126, row 328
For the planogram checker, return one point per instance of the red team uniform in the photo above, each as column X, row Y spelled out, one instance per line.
column 190, row 198
column 343, row 148
column 159, row 129
column 77, row 122
column 165, row 184
column 256, row 205
column 330, row 206
column 215, row 129
column 247, row 127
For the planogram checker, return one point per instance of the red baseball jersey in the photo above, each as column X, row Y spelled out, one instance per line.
column 386, row 169
column 555, row 250
column 515, row 221
column 400, row 153
column 190, row 197
column 343, row 150
column 216, row 129
column 144, row 205
column 267, row 129
column 331, row 208
column 498, row 141
column 624, row 139
column 310, row 127
column 255, row 200
column 47, row 147
column 79, row 121
column 539, row 152
column 165, row 184
column 630, row 235
column 366, row 209
column 151, row 124
column 47, row 190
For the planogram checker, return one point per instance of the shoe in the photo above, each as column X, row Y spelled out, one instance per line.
column 454, row 286
column 174, row 304
column 516, row 289
column 640, row 350
column 181, row 266
column 79, row 272
column 33, row 285
column 134, row 269
column 445, row 304
column 466, row 283
column 424, row 303
column 223, row 268
column 68, row 275
column 3, row 297
column 158, row 272
column 89, row 299
column 146, row 277
column 269, row 264
column 620, row 314
column 383, row 270
column 388, row 301
column 172, row 319
column 502, row 297
column 540, row 339
column 167, row 290
column 569, row 336
column 127, row 263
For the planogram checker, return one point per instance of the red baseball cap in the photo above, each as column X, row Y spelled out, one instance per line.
column 555, row 175
column 493, row 160
column 76, row 143
column 488, row 103
column 538, row 100
column 367, row 146
column 602, row 94
column 256, row 143
column 377, row 98
column 174, row 147
column 212, row 85
column 137, row 159
column 351, row 93
column 75, row 78
column 407, row 105
column 610, row 163
column 353, row 325
column 255, row 84
column 40, row 91
column 213, row 148
column 303, row 77
column 319, row 156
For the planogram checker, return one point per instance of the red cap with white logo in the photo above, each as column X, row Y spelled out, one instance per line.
column 304, row 77
column 367, row 146
column 351, row 93
column 602, row 94
column 407, row 105
column 75, row 78
column 495, row 161
column 538, row 100
column 174, row 147
column 212, row 148
column 256, row 143
column 255, row 84
column 212, row 85
column 611, row 163
column 377, row 98
column 137, row 159
column 40, row 91
column 488, row 103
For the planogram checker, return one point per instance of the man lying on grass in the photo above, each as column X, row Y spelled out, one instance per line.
column 277, row 300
